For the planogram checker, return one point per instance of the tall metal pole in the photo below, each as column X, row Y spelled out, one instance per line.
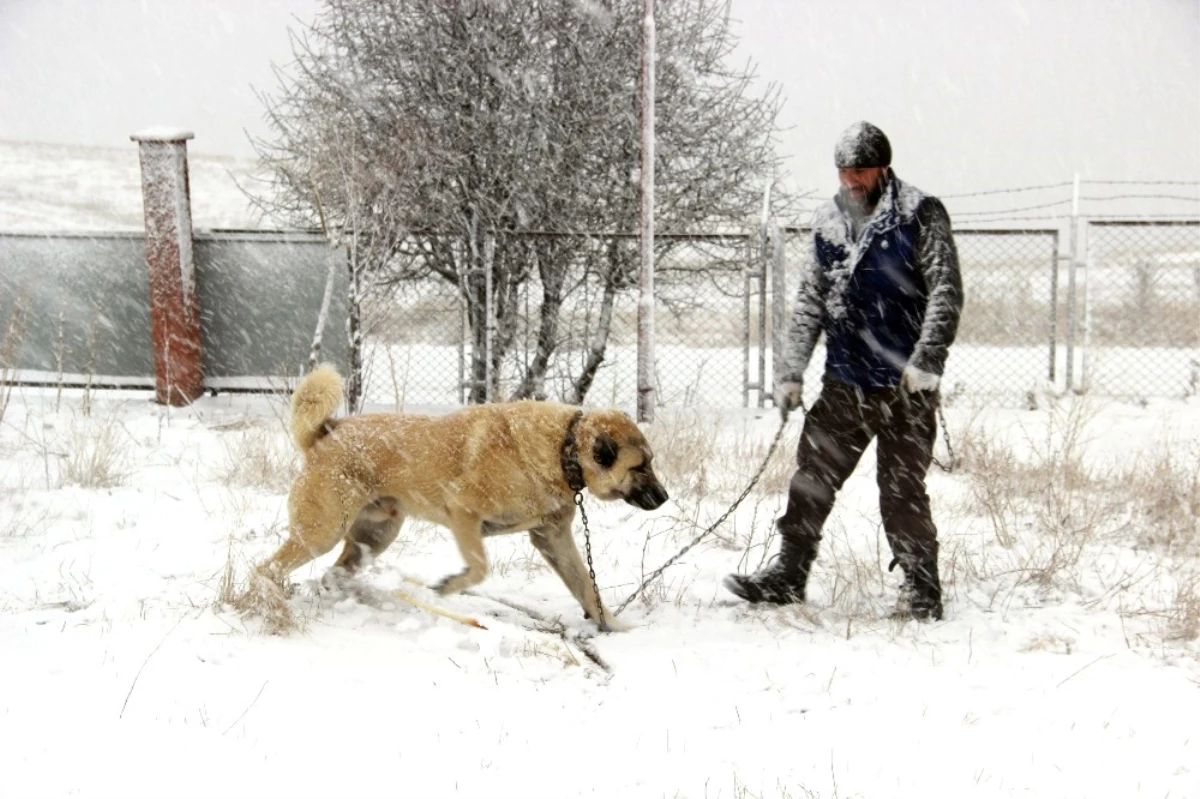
column 489, row 314
column 645, row 323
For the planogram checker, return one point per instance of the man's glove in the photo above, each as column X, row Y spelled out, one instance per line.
column 788, row 397
column 914, row 380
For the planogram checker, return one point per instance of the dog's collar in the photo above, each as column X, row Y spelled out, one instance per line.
column 569, row 455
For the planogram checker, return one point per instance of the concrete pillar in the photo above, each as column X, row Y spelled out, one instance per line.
column 174, row 307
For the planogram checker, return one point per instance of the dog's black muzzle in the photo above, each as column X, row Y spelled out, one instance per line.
column 647, row 495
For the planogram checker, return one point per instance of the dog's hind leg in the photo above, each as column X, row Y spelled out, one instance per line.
column 267, row 592
column 558, row 547
column 468, row 533
column 317, row 520
column 374, row 530
column 318, row 515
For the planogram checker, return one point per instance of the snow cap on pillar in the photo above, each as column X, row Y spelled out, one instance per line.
column 162, row 134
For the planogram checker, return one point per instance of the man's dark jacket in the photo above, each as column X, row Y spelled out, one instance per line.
column 888, row 299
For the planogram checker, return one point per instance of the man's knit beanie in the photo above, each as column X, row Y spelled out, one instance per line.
column 862, row 145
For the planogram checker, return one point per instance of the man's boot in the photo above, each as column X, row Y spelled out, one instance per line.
column 921, row 591
column 784, row 579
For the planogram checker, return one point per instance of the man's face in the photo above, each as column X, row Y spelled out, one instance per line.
column 862, row 185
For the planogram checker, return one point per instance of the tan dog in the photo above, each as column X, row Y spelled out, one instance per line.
column 480, row 471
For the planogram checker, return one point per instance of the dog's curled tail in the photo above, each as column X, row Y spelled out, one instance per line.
column 313, row 403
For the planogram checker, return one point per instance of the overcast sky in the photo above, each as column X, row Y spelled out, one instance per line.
column 974, row 94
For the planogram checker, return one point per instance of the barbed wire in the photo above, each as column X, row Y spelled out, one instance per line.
column 1026, row 218
column 1195, row 199
column 1015, row 214
column 1193, row 217
column 1043, row 187
column 1066, row 217
column 1021, row 208
column 1016, row 190
column 1139, row 182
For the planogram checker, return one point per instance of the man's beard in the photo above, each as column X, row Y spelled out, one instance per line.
column 866, row 205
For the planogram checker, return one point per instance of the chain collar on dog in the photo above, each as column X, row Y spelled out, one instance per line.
column 569, row 455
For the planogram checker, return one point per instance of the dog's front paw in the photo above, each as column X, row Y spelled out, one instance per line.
column 336, row 580
column 450, row 584
column 611, row 623
column 615, row 626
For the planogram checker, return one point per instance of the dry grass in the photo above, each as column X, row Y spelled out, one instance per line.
column 258, row 457
column 517, row 561
column 97, row 453
column 1183, row 614
column 856, row 585
column 693, row 458
column 1047, row 502
column 707, row 466
column 258, row 598
column 1050, row 642
column 11, row 339
column 1055, row 510
column 1166, row 501
column 21, row 520
column 685, row 453
column 1177, row 618
column 87, row 451
column 742, row 791
column 549, row 649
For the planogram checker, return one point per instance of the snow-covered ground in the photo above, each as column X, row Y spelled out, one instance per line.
column 1067, row 666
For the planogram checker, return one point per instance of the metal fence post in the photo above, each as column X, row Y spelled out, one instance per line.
column 747, row 385
column 1071, row 278
column 1053, row 319
column 757, row 264
column 1085, row 376
column 779, row 306
column 174, row 307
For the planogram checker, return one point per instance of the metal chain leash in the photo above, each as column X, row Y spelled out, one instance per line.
column 753, row 481
column 587, row 546
column 953, row 461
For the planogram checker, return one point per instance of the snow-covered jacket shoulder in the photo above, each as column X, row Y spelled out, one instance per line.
column 891, row 297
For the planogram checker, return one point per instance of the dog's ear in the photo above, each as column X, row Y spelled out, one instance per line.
column 605, row 451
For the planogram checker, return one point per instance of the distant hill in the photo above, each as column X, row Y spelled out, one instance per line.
column 62, row 187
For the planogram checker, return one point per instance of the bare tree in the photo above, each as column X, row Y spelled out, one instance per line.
column 482, row 141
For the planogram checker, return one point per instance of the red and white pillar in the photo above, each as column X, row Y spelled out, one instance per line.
column 174, row 307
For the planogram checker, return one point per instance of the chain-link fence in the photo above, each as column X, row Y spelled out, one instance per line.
column 1140, row 316
column 707, row 306
column 1125, row 323
column 1129, row 330
column 1014, row 311
column 415, row 340
column 419, row 346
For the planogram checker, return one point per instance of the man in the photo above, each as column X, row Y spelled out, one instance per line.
column 883, row 284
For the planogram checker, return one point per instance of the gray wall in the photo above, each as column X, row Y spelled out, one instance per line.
column 83, row 301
